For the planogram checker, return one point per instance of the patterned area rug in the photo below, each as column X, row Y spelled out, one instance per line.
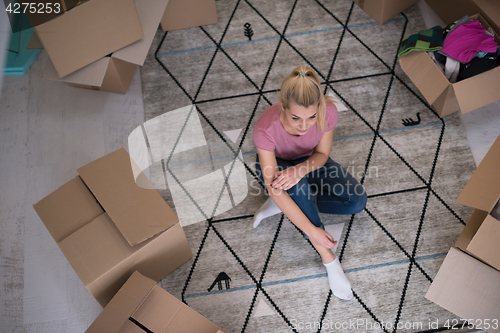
column 270, row 279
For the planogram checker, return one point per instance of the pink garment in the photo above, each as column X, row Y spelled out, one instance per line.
column 466, row 40
column 270, row 135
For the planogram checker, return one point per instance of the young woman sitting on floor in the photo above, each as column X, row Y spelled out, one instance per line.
column 293, row 140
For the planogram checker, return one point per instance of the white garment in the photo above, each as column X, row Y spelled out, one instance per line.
column 451, row 69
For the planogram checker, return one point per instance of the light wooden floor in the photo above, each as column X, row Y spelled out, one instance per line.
column 47, row 130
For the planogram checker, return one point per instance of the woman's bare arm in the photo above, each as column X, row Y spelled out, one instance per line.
column 269, row 168
column 319, row 156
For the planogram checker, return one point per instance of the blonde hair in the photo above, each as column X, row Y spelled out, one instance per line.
column 303, row 87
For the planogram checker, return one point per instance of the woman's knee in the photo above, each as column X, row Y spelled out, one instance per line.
column 358, row 199
column 300, row 189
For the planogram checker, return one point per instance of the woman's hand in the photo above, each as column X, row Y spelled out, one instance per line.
column 286, row 179
column 320, row 237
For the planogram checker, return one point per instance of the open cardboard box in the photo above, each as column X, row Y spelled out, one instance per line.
column 182, row 14
column 481, row 235
column 468, row 288
column 108, row 227
column 464, row 285
column 452, row 10
column 383, row 10
column 87, row 32
column 141, row 306
column 446, row 97
column 114, row 72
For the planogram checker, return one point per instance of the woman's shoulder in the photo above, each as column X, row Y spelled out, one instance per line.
column 268, row 117
column 330, row 107
column 264, row 130
column 331, row 115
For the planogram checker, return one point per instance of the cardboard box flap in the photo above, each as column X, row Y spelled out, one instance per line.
column 466, row 287
column 106, row 73
column 138, row 213
column 96, row 248
column 491, row 11
column 161, row 312
column 424, row 74
column 479, row 90
column 470, row 229
column 58, row 8
column 188, row 320
column 67, row 209
column 34, row 42
column 118, row 76
column 157, row 310
column 452, row 10
column 89, row 32
column 483, row 188
column 92, row 75
column 123, row 304
column 486, row 242
column 150, row 13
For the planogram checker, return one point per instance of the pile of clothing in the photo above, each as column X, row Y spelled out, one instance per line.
column 461, row 50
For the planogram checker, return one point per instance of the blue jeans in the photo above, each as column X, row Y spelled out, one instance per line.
column 335, row 189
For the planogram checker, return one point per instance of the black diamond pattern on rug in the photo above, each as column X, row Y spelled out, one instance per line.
column 220, row 68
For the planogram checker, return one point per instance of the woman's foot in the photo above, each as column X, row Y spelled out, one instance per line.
column 269, row 208
column 339, row 284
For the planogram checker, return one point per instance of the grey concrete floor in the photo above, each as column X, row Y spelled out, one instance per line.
column 47, row 130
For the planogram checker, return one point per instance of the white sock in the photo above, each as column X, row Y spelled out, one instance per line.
column 339, row 284
column 269, row 208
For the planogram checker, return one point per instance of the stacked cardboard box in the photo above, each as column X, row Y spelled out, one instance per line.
column 86, row 32
column 98, row 44
column 468, row 282
column 468, row 94
column 141, row 306
column 114, row 68
column 383, row 10
column 108, row 227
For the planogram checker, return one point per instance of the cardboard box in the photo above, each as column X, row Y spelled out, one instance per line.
column 452, row 10
column 464, row 285
column 383, row 10
column 181, row 14
column 468, row 288
column 34, row 42
column 446, row 97
column 42, row 16
column 106, row 74
column 114, row 72
column 88, row 32
column 141, row 306
column 108, row 227
column 481, row 235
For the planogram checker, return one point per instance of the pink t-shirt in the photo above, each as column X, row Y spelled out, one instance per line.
column 270, row 135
